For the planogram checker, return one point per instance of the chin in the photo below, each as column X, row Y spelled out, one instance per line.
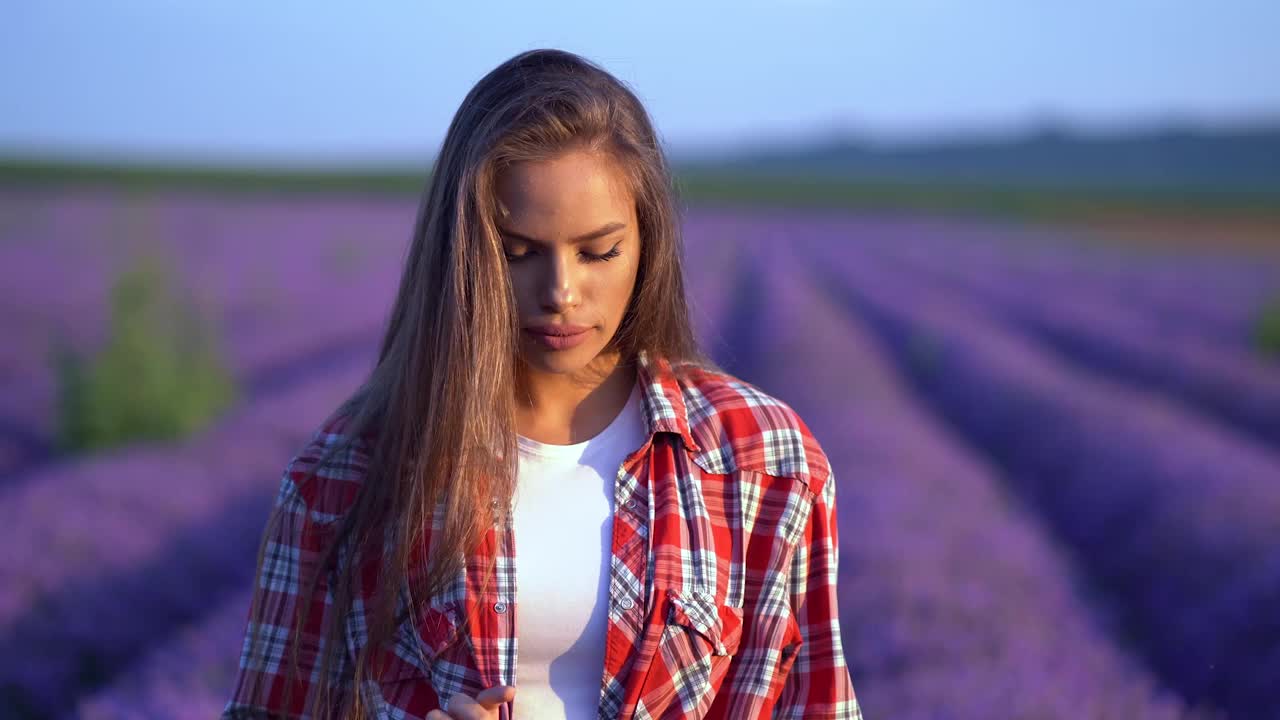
column 560, row 361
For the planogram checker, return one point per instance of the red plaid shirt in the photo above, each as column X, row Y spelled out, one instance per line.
column 722, row 599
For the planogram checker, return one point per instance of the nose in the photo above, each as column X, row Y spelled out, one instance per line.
column 559, row 292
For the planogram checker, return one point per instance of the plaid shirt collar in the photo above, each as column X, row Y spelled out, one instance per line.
column 664, row 402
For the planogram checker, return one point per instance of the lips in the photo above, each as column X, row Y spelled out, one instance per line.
column 558, row 337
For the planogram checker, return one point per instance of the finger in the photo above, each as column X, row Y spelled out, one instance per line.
column 437, row 715
column 464, row 707
column 492, row 697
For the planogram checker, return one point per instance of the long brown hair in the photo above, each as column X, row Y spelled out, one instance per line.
column 438, row 408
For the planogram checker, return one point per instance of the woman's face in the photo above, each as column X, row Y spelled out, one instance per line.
column 569, row 231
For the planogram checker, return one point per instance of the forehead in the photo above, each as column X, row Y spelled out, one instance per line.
column 566, row 193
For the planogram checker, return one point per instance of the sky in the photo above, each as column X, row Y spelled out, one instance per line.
column 297, row 83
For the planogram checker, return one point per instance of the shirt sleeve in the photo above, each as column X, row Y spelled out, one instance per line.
column 294, row 542
column 818, row 684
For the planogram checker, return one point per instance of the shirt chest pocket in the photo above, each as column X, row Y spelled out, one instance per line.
column 707, row 624
column 699, row 637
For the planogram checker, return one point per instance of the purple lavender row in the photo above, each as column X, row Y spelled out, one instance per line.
column 1175, row 520
column 269, row 362
column 1217, row 297
column 263, row 361
column 287, row 280
column 953, row 601
column 189, row 676
column 108, row 555
column 1208, row 294
column 1115, row 338
column 252, row 258
column 1213, row 295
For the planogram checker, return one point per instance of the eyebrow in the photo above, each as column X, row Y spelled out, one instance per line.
column 597, row 233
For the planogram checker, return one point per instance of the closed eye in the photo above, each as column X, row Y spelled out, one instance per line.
column 613, row 253
column 586, row 256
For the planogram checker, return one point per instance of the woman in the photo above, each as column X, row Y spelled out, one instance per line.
column 542, row 452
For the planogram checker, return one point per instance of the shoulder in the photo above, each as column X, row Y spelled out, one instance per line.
column 327, row 470
column 738, row 426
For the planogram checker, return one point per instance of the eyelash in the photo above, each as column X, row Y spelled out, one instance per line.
column 613, row 253
column 586, row 257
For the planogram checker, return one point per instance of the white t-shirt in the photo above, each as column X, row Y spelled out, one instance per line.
column 563, row 524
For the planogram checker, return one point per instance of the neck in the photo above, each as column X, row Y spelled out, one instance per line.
column 564, row 409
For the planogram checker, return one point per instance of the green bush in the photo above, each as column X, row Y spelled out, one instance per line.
column 1267, row 330
column 159, row 376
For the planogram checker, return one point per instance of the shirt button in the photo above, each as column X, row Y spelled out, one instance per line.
column 627, row 604
column 631, row 504
column 642, row 530
column 500, row 607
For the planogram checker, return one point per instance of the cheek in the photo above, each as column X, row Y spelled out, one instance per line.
column 622, row 288
column 605, row 293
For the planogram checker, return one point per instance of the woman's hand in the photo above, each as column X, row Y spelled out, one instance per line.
column 483, row 706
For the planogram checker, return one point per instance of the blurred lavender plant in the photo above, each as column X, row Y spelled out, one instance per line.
column 1107, row 334
column 159, row 377
column 189, row 676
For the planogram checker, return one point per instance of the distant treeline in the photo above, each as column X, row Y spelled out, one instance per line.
column 1043, row 173
column 1180, row 160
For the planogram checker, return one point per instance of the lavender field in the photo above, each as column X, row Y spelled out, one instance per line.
column 1058, row 460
